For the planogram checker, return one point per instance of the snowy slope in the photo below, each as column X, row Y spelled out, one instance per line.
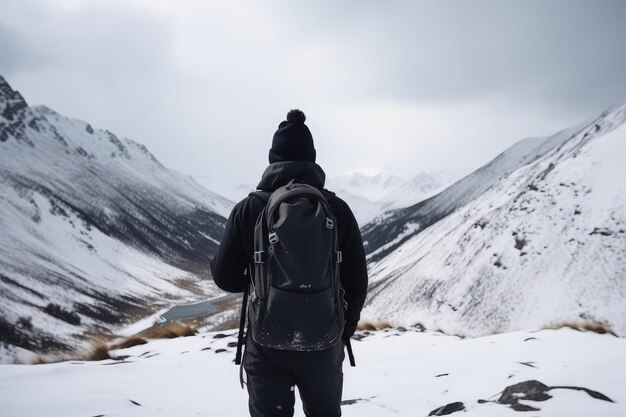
column 367, row 195
column 235, row 192
column 398, row 373
column 94, row 230
column 381, row 234
column 544, row 243
column 370, row 195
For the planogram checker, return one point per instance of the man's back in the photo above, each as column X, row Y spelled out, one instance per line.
column 272, row 374
column 228, row 265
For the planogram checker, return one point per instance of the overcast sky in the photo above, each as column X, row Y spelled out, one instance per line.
column 396, row 86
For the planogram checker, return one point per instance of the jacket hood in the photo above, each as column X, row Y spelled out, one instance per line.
column 280, row 173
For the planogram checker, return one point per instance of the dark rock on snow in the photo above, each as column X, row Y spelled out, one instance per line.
column 448, row 409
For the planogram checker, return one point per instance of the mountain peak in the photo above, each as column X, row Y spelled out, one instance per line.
column 533, row 237
column 11, row 96
column 41, row 108
column 12, row 104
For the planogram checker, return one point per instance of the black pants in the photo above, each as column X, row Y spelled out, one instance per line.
column 273, row 374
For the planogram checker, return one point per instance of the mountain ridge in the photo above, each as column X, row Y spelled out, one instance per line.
column 95, row 230
column 379, row 235
column 543, row 244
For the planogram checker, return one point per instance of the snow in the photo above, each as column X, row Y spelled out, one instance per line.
column 226, row 187
column 371, row 195
column 386, row 226
column 93, row 223
column 534, row 238
column 143, row 324
column 53, row 245
column 409, row 228
column 368, row 196
column 544, row 244
column 399, row 373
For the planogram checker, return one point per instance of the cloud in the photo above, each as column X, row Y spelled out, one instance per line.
column 397, row 85
column 561, row 52
column 16, row 55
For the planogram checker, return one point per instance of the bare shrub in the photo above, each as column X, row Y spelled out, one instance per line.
column 168, row 331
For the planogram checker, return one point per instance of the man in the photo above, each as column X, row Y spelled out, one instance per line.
column 273, row 374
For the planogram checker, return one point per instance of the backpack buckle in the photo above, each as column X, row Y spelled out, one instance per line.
column 258, row 257
column 329, row 223
column 273, row 237
column 339, row 256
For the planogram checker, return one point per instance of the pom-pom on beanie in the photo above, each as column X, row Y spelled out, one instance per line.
column 292, row 141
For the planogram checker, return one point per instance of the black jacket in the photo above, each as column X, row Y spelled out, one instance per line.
column 236, row 249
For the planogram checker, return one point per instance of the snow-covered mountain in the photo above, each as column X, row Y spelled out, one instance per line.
column 94, row 229
column 367, row 195
column 538, row 235
column 226, row 187
column 370, row 195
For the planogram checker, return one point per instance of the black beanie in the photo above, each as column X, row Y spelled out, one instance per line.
column 292, row 141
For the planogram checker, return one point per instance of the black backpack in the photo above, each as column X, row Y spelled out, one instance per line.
column 296, row 300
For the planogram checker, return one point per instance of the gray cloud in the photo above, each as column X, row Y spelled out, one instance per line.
column 15, row 53
column 562, row 52
column 204, row 84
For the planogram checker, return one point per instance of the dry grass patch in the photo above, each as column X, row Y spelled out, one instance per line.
column 373, row 325
column 583, row 326
column 42, row 359
column 128, row 342
column 168, row 331
column 99, row 351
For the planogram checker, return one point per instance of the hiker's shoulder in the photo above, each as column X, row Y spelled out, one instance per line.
column 337, row 204
column 250, row 204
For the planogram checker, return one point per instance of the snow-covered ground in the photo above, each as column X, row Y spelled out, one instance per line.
column 398, row 373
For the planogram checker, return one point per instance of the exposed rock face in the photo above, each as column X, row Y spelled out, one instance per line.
column 12, row 106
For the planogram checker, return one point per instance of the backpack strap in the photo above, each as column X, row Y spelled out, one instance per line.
column 242, row 336
column 328, row 195
column 242, row 320
column 262, row 195
column 350, row 353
